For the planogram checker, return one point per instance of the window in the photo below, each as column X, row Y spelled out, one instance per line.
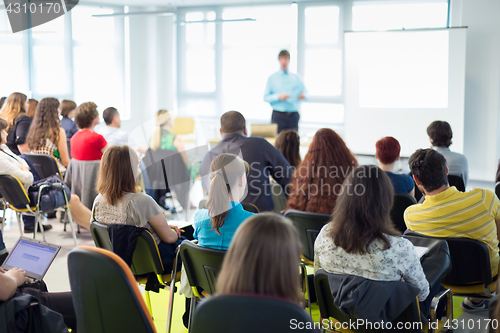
column 49, row 77
column 13, row 59
column 396, row 15
column 98, row 59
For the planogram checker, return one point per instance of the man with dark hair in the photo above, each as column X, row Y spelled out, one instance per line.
column 447, row 212
column 263, row 158
column 440, row 136
column 113, row 134
column 284, row 91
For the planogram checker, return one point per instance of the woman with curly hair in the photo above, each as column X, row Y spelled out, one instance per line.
column 14, row 112
column 87, row 145
column 318, row 179
column 46, row 136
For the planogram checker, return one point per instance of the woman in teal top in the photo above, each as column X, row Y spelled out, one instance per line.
column 215, row 226
column 162, row 138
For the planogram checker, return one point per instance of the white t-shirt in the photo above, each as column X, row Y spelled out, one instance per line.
column 115, row 136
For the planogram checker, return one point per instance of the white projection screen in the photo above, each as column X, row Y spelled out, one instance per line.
column 398, row 82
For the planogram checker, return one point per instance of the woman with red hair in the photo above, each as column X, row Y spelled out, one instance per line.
column 387, row 154
column 318, row 179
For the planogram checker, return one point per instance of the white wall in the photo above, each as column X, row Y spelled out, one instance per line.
column 482, row 84
column 152, row 67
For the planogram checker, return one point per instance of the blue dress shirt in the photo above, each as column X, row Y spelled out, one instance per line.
column 288, row 83
column 208, row 237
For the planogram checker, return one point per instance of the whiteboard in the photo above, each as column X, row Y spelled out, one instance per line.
column 398, row 82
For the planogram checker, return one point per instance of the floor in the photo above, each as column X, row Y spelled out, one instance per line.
column 57, row 276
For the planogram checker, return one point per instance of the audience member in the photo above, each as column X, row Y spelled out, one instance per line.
column 288, row 143
column 46, row 136
column 361, row 240
column 215, row 226
column 114, row 135
column 87, row 145
column 2, row 100
column 32, row 104
column 263, row 259
column 67, row 111
column 12, row 285
column 14, row 112
column 10, row 164
column 162, row 138
column 447, row 212
column 387, row 154
column 263, row 158
column 440, row 136
column 497, row 178
column 318, row 180
column 119, row 202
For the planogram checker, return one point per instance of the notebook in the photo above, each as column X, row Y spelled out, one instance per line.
column 421, row 250
column 32, row 255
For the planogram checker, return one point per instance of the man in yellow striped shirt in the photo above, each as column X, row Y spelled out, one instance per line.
column 447, row 212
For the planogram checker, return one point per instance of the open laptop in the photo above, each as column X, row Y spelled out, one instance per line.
column 32, row 255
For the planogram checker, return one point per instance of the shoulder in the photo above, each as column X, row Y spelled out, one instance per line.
column 201, row 216
column 399, row 242
column 24, row 119
column 141, row 199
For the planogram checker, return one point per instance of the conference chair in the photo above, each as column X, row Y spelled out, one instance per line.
column 3, row 206
column 146, row 264
column 308, row 226
column 266, row 131
column 278, row 197
column 470, row 273
column 328, row 309
column 184, row 126
column 202, row 266
column 13, row 192
column 244, row 313
column 44, row 165
column 401, row 202
column 457, row 181
column 497, row 190
column 81, row 177
column 105, row 294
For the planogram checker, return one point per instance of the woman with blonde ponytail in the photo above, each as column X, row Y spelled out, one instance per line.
column 162, row 138
column 215, row 226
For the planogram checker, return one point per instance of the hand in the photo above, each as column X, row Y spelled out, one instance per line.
column 282, row 97
column 302, row 96
column 19, row 275
column 177, row 230
column 25, row 168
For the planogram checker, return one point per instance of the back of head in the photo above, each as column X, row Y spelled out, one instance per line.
column 429, row 167
column 85, row 115
column 232, row 122
column 440, row 133
column 3, row 125
column 109, row 114
column 117, row 173
column 387, row 150
column 46, row 122
column 66, row 107
column 316, row 181
column 288, row 143
column 263, row 259
column 362, row 213
column 32, row 104
column 13, row 107
column 162, row 117
column 225, row 172
column 2, row 100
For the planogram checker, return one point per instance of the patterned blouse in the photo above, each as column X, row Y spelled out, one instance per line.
column 398, row 262
column 50, row 148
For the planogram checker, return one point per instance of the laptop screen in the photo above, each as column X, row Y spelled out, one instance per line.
column 33, row 257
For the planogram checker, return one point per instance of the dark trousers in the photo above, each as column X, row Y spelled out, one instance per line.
column 61, row 303
column 286, row 120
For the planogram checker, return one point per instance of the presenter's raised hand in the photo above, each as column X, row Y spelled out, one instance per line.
column 282, row 97
column 302, row 96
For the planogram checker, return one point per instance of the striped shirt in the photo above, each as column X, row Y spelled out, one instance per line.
column 458, row 214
